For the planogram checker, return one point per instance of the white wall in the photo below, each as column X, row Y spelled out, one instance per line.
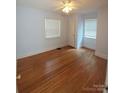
column 102, row 33
column 75, row 36
column 79, row 31
column 89, row 43
column 31, row 35
column 71, row 30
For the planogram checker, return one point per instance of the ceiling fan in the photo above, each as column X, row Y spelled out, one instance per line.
column 68, row 5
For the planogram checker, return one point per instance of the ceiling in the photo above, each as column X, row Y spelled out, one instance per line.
column 56, row 5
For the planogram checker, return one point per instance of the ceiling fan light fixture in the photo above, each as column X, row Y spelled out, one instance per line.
column 67, row 8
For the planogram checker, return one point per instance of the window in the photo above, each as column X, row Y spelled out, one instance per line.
column 90, row 28
column 52, row 28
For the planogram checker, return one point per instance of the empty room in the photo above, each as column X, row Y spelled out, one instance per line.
column 61, row 46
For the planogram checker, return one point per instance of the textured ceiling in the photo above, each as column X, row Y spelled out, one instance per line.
column 56, row 5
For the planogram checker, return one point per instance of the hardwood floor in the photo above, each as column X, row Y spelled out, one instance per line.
column 67, row 70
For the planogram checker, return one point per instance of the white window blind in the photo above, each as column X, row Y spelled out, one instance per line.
column 52, row 28
column 90, row 28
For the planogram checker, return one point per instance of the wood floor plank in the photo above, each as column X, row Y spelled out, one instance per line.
column 67, row 70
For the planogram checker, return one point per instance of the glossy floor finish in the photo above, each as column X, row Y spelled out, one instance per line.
column 67, row 70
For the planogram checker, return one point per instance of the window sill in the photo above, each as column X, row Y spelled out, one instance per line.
column 90, row 37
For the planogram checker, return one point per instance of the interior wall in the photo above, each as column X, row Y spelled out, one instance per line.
column 89, row 43
column 31, row 33
column 79, row 31
column 75, row 36
column 71, row 30
column 102, row 33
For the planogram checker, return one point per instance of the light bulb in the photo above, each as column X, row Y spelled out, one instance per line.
column 67, row 9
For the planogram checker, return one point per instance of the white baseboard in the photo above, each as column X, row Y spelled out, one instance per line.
column 101, row 55
column 38, row 52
